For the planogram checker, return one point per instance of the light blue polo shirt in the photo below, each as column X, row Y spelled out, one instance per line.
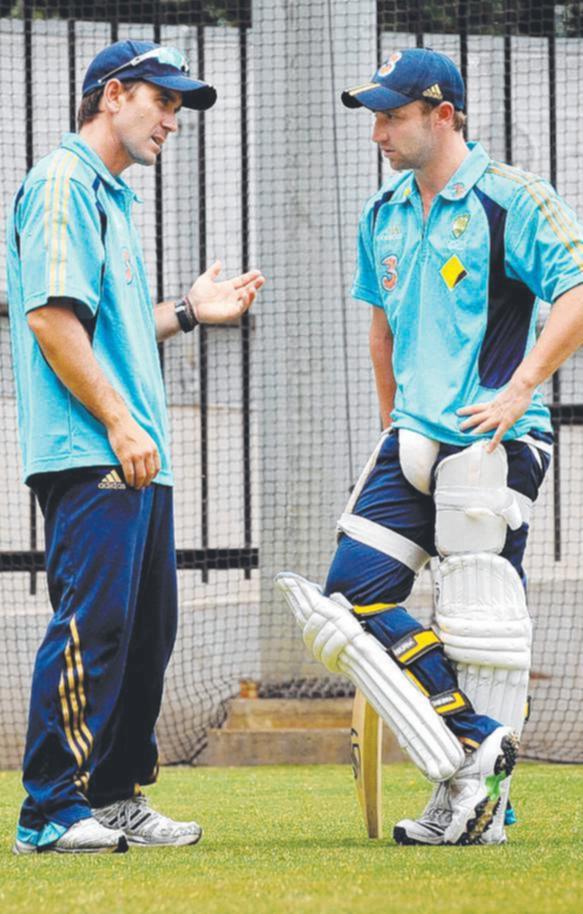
column 461, row 291
column 71, row 235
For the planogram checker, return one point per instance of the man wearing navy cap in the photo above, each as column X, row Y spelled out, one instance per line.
column 94, row 434
column 453, row 252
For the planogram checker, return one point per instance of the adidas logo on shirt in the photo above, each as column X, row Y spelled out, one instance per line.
column 112, row 481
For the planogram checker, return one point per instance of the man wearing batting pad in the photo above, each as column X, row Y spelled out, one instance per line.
column 94, row 434
column 453, row 252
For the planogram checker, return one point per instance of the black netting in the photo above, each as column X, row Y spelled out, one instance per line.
column 272, row 418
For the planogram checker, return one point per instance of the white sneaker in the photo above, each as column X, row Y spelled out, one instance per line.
column 88, row 836
column 474, row 790
column 430, row 827
column 144, row 826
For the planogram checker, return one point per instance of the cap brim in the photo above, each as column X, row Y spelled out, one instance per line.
column 375, row 97
column 195, row 94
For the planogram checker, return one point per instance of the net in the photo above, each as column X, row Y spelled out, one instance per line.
column 273, row 418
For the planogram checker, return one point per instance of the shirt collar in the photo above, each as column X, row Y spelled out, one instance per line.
column 405, row 189
column 459, row 185
column 77, row 145
column 469, row 173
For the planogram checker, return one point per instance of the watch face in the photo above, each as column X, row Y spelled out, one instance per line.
column 185, row 315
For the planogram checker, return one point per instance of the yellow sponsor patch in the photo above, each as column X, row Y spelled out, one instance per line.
column 453, row 271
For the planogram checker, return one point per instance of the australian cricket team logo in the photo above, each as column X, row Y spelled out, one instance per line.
column 460, row 224
column 390, row 64
column 128, row 272
column 391, row 276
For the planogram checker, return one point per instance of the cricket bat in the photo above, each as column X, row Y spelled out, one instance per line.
column 366, row 736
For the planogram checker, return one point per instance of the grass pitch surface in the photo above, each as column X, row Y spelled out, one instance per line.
column 281, row 840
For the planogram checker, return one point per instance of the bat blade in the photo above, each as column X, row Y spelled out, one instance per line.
column 366, row 750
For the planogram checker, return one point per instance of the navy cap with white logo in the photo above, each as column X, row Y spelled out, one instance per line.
column 164, row 66
column 414, row 74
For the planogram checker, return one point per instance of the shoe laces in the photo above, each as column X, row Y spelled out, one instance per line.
column 126, row 813
column 439, row 811
column 136, row 812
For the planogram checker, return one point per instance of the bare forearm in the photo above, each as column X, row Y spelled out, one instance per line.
column 167, row 324
column 381, row 353
column 68, row 351
column 561, row 337
column 385, row 392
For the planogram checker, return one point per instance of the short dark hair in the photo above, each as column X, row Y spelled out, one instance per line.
column 459, row 118
column 89, row 107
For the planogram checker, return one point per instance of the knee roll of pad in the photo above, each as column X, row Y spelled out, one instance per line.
column 474, row 506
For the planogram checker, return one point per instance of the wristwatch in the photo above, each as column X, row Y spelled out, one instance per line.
column 185, row 314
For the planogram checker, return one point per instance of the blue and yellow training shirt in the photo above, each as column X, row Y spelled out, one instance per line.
column 72, row 236
column 461, row 290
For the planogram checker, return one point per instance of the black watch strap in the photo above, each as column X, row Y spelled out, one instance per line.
column 185, row 314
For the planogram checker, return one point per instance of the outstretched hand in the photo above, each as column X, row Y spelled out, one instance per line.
column 218, row 302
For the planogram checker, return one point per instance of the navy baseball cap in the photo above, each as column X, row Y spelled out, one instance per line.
column 415, row 74
column 163, row 66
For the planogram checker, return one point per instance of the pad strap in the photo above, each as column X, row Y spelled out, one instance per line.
column 384, row 540
column 414, row 646
column 368, row 468
column 543, row 446
column 451, row 702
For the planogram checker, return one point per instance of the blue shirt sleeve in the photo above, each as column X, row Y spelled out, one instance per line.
column 61, row 245
column 544, row 242
column 365, row 286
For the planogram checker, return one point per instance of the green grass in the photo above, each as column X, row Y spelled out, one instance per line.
column 290, row 839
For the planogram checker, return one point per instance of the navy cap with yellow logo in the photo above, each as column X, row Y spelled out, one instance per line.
column 145, row 60
column 414, row 74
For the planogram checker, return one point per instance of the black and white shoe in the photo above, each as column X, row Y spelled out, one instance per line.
column 430, row 827
column 88, row 836
column 144, row 827
column 475, row 789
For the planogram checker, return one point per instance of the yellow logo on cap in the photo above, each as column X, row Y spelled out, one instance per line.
column 433, row 91
column 453, row 271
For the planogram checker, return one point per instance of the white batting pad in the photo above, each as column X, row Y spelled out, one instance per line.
column 485, row 626
column 474, row 506
column 337, row 639
column 481, row 612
